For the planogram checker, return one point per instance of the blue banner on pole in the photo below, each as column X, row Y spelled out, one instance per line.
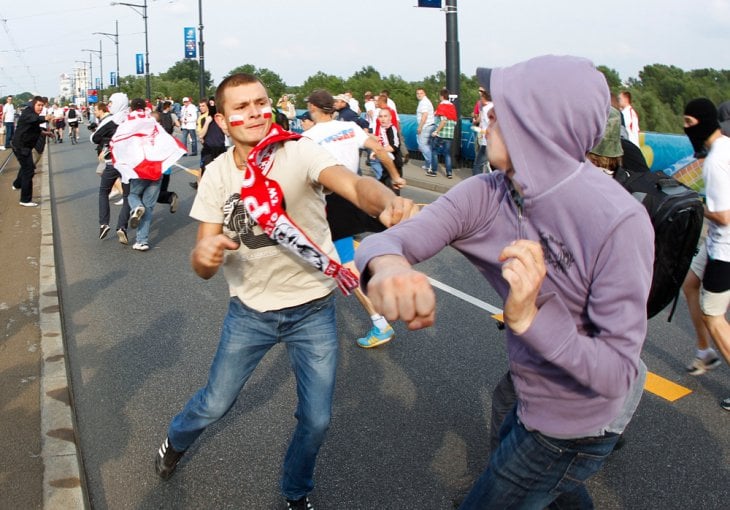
column 112, row 79
column 98, row 83
column 190, row 51
column 430, row 3
column 140, row 63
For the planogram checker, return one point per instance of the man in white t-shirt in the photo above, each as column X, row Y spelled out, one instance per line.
column 712, row 265
column 8, row 115
column 424, row 116
column 631, row 118
column 371, row 111
column 188, row 124
column 276, row 295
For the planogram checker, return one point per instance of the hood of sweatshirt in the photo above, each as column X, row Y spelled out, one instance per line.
column 551, row 110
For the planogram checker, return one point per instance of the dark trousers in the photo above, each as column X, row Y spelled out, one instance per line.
column 24, row 180
column 165, row 196
column 108, row 177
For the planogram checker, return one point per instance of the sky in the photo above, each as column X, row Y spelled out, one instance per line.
column 42, row 39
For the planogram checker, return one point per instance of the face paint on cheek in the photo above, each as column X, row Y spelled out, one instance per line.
column 235, row 120
column 266, row 112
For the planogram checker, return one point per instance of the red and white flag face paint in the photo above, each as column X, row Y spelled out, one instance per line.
column 235, row 120
column 266, row 112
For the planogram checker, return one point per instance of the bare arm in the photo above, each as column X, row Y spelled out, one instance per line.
column 368, row 194
column 439, row 127
column 382, row 154
column 719, row 217
column 422, row 122
column 210, row 246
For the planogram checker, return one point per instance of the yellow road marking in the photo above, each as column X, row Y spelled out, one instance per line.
column 665, row 388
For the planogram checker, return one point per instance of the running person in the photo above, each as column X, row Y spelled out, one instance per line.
column 59, row 122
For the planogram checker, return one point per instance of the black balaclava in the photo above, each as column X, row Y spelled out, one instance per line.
column 705, row 112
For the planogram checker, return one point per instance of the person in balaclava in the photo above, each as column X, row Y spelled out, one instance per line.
column 111, row 115
column 712, row 263
column 545, row 230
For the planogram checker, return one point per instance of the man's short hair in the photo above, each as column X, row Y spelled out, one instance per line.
column 322, row 100
column 626, row 94
column 444, row 93
column 234, row 80
column 138, row 104
column 166, row 104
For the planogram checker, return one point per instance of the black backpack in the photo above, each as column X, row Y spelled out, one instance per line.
column 166, row 122
column 72, row 114
column 676, row 214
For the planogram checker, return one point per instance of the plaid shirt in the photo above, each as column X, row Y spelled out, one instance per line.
column 448, row 130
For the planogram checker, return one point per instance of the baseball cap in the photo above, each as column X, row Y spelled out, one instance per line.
column 304, row 116
column 186, row 100
column 341, row 97
column 322, row 100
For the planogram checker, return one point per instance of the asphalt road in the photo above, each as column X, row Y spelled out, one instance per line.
column 410, row 419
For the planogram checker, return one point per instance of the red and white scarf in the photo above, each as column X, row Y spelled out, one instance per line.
column 263, row 199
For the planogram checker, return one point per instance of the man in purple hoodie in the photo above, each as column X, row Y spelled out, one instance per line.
column 548, row 233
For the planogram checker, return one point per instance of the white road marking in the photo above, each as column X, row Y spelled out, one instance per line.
column 466, row 297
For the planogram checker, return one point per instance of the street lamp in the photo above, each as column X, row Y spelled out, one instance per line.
column 114, row 37
column 201, row 55
column 101, row 64
column 142, row 13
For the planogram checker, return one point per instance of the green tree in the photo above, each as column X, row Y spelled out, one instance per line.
column 273, row 82
column 188, row 70
column 612, row 78
column 320, row 80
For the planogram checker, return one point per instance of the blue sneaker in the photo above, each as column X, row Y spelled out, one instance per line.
column 376, row 337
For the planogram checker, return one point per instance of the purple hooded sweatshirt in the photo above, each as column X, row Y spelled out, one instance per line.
column 575, row 365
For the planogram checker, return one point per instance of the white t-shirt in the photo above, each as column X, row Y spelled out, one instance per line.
column 188, row 117
column 341, row 139
column 424, row 106
column 262, row 274
column 8, row 112
column 631, row 121
column 354, row 105
column 371, row 113
column 716, row 174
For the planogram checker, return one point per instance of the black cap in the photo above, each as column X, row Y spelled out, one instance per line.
column 322, row 100
column 304, row 116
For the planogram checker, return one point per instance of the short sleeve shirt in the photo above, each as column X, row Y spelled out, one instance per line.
column 716, row 174
column 262, row 274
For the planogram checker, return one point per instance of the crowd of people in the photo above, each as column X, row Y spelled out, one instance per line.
column 541, row 219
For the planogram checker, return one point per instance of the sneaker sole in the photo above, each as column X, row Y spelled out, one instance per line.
column 374, row 344
column 122, row 236
column 134, row 219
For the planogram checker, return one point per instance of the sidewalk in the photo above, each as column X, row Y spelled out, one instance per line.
column 39, row 466
column 416, row 176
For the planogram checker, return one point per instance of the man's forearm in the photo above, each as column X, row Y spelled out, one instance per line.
column 372, row 196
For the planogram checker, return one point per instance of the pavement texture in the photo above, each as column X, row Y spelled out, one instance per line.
column 40, row 466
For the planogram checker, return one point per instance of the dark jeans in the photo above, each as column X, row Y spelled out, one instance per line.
column 531, row 470
column 24, row 180
column 108, row 177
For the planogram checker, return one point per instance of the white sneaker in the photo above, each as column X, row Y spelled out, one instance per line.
column 114, row 194
column 28, row 204
column 119, row 202
column 2, row 147
column 141, row 246
column 136, row 215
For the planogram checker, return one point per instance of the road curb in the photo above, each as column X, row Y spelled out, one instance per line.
column 62, row 486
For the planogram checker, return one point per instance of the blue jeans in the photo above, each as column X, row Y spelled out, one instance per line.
column 193, row 139
column 441, row 146
column 530, row 470
column 377, row 167
column 479, row 160
column 424, row 143
column 9, row 130
column 143, row 192
column 310, row 335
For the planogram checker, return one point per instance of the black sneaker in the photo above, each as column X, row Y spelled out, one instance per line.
column 103, row 231
column 299, row 504
column 173, row 202
column 122, row 236
column 166, row 459
column 193, row 185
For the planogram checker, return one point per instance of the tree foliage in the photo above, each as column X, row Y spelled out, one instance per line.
column 659, row 93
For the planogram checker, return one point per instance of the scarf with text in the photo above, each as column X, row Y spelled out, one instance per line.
column 263, row 199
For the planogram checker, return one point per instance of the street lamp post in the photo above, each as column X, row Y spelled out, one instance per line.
column 101, row 65
column 201, row 53
column 143, row 13
column 114, row 37
column 82, row 87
